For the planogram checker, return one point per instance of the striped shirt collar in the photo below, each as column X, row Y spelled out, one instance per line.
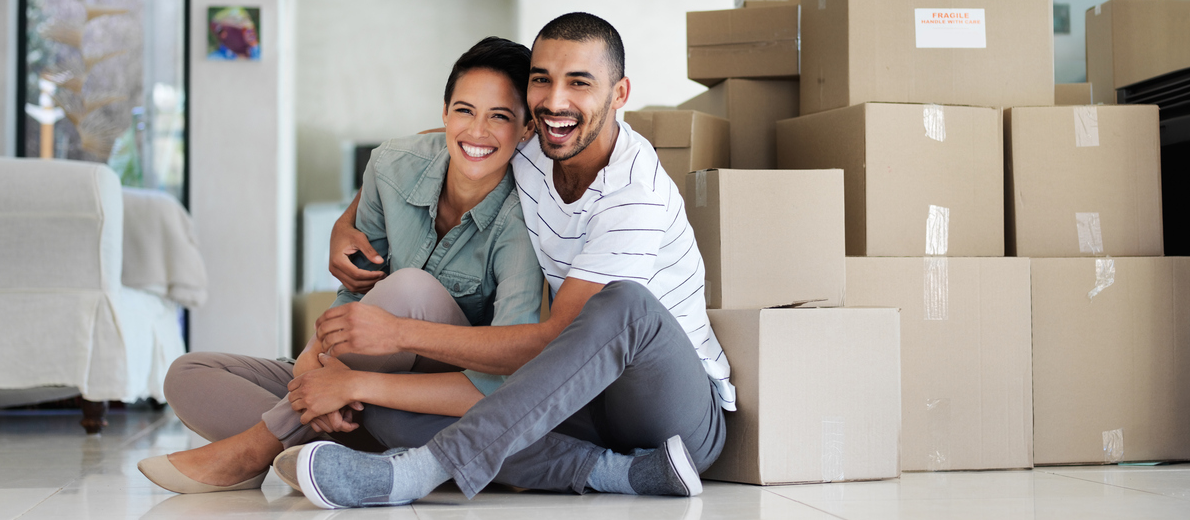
column 619, row 171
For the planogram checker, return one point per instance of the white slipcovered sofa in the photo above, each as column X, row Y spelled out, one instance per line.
column 92, row 279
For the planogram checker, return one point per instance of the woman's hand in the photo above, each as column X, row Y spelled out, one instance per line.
column 323, row 391
column 357, row 328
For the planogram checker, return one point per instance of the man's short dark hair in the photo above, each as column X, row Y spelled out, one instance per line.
column 497, row 54
column 583, row 27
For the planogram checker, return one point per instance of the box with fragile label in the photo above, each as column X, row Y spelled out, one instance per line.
column 1069, row 94
column 818, row 395
column 962, row 52
column 753, row 108
column 966, row 357
column 742, row 43
column 1129, row 41
column 918, row 179
column 685, row 140
column 1111, row 358
column 769, row 237
column 1083, row 181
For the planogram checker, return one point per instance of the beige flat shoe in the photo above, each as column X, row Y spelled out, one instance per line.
column 162, row 472
column 285, row 465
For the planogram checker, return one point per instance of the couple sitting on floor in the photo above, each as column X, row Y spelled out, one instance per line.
column 434, row 352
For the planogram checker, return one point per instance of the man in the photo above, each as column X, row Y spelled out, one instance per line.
column 627, row 358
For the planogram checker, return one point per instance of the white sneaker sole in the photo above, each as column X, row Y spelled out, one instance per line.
column 687, row 472
column 305, row 467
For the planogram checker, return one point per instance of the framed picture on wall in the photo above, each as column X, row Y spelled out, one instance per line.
column 233, row 33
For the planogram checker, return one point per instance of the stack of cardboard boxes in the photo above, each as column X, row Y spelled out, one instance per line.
column 1109, row 312
column 907, row 100
column 773, row 242
column 1020, row 240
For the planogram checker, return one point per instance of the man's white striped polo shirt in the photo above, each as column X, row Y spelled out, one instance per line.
column 630, row 225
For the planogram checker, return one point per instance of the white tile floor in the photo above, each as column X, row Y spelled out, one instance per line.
column 50, row 469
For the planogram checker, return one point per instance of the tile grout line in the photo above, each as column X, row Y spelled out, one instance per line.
column 44, row 500
column 823, row 511
column 1115, row 486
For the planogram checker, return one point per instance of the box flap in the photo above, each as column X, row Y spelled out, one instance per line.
column 741, row 25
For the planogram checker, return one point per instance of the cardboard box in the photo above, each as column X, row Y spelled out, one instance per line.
column 769, row 237
column 307, row 307
column 753, row 108
column 855, row 51
column 1111, row 371
column 1129, row 41
column 817, row 395
column 1083, row 181
column 966, row 357
column 769, row 3
column 742, row 43
column 900, row 161
column 1066, row 94
column 685, row 140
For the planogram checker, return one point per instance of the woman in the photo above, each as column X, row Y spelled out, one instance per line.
column 442, row 209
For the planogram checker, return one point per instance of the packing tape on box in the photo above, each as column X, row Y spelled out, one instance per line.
column 1105, row 275
column 700, row 189
column 934, row 119
column 936, row 287
column 1086, row 126
column 821, row 4
column 1090, row 234
column 936, row 269
column 938, row 417
column 1098, row 8
column 833, row 449
column 1113, row 446
column 937, row 230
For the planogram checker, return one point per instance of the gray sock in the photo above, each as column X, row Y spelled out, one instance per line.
column 610, row 474
column 416, row 473
column 337, row 476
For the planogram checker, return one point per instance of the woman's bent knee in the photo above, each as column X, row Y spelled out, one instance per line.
column 413, row 293
column 179, row 377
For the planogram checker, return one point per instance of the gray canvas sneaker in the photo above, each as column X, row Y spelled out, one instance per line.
column 668, row 470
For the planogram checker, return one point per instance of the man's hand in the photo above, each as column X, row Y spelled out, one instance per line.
column 346, row 241
column 356, row 328
column 323, row 391
column 340, row 421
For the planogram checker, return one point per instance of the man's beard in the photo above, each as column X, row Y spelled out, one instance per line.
column 582, row 141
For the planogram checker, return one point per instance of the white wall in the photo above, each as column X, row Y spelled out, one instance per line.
column 8, row 106
column 375, row 69
column 242, row 186
column 1070, row 50
column 654, row 34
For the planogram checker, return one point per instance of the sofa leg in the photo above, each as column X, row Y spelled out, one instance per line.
column 93, row 413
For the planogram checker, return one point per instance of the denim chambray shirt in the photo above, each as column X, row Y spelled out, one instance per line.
column 487, row 262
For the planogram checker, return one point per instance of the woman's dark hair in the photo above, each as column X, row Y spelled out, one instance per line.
column 497, row 54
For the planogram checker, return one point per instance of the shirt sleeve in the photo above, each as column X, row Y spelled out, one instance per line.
column 623, row 237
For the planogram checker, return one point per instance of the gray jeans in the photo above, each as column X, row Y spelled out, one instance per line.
column 623, row 375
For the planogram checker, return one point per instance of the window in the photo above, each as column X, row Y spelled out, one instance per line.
column 104, row 81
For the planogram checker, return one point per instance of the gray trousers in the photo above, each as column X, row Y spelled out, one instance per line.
column 623, row 375
column 219, row 395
